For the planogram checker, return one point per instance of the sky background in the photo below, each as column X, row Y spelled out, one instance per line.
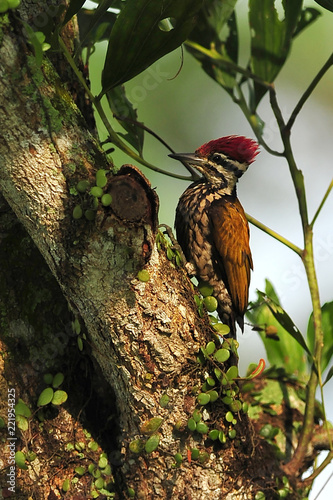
column 188, row 109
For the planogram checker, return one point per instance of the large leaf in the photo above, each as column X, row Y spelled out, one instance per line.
column 73, row 8
column 327, row 319
column 327, row 4
column 124, row 112
column 283, row 349
column 95, row 25
column 271, row 39
column 208, row 33
column 137, row 41
column 308, row 16
column 217, row 14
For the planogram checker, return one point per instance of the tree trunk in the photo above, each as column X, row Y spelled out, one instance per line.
column 143, row 330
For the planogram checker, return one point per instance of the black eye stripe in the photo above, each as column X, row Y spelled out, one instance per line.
column 226, row 163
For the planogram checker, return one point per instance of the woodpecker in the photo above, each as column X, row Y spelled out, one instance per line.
column 211, row 225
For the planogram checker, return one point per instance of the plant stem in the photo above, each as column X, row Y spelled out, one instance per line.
column 226, row 63
column 274, row 234
column 307, row 430
column 309, row 91
column 308, row 260
column 253, row 120
column 329, row 189
column 319, row 470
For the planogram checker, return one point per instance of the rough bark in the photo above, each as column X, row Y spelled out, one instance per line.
column 143, row 335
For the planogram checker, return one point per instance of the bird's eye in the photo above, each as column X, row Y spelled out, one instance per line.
column 217, row 158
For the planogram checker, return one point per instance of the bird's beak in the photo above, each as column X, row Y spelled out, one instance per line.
column 190, row 158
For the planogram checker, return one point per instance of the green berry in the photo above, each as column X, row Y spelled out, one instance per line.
column 191, row 424
column 213, row 395
column 83, row 186
column 210, row 348
column 3, row 6
column 232, row 434
column 197, row 415
column 205, row 289
column 90, row 214
column 203, row 398
column 143, row 275
column 106, row 199
column 101, row 179
column 235, row 406
column 77, row 212
column 222, row 437
column 96, row 191
column 229, row 416
column 202, row 428
column 222, row 355
column 210, row 303
column 214, row 434
column 13, row 4
column 221, row 329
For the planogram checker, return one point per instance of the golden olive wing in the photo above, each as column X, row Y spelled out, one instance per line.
column 231, row 238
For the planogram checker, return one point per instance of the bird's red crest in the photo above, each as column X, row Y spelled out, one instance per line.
column 237, row 147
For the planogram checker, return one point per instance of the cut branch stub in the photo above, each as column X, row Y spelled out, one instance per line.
column 133, row 199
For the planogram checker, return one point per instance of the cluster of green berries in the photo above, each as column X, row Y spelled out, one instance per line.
column 172, row 254
column 209, row 303
column 88, row 206
column 218, row 385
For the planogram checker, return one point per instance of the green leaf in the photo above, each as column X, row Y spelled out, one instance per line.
column 308, row 16
column 22, row 422
column 80, row 470
column 213, row 396
column 327, row 4
column 66, row 485
column 152, row 443
column 210, row 33
column 213, row 434
column 58, row 380
column 210, row 348
column 232, row 372
column 102, row 462
column 74, row 7
column 191, row 424
column 20, row 460
column 151, row 426
column 137, row 446
column 59, row 398
column 222, row 355
column 289, row 352
column 45, row 396
column 329, row 375
column 95, row 25
column 136, row 40
column 48, row 377
column 202, row 428
column 35, row 42
column 126, row 115
column 327, row 319
column 203, row 398
column 164, row 400
column 22, row 409
column 270, row 39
